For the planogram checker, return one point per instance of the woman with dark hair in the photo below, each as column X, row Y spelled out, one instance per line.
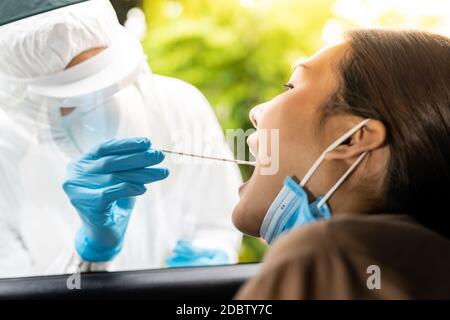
column 366, row 123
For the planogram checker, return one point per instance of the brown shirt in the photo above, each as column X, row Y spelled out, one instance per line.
column 330, row 260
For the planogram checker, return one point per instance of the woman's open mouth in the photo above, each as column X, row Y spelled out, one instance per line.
column 252, row 142
column 242, row 187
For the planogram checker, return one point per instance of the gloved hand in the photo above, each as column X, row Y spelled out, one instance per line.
column 187, row 255
column 102, row 185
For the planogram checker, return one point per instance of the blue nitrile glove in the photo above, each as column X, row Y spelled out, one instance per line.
column 187, row 255
column 102, row 185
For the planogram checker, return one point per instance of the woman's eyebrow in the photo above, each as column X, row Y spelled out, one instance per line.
column 302, row 65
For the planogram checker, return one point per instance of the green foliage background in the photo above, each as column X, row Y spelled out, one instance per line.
column 236, row 55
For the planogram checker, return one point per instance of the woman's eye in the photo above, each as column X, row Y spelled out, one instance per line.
column 288, row 86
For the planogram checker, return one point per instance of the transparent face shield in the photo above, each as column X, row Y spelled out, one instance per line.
column 81, row 106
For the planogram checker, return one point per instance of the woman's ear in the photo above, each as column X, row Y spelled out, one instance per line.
column 370, row 137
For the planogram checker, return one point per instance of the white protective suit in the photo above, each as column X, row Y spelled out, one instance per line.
column 37, row 221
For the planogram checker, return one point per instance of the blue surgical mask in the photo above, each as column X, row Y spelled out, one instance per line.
column 291, row 208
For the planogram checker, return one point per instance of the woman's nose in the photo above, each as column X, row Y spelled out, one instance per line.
column 255, row 114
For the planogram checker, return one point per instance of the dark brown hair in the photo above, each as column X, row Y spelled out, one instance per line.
column 402, row 78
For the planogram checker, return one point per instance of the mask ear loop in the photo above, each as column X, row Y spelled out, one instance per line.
column 333, row 146
column 319, row 160
column 340, row 181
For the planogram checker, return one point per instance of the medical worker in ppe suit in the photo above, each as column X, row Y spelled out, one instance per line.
column 83, row 180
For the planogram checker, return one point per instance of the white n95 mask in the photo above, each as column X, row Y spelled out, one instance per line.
column 82, row 129
column 291, row 208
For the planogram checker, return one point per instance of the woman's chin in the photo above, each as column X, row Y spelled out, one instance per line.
column 242, row 219
column 248, row 213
